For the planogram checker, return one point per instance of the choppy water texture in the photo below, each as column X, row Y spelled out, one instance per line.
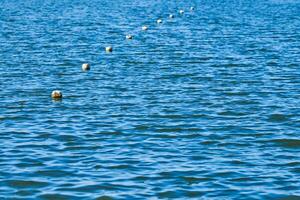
column 203, row 106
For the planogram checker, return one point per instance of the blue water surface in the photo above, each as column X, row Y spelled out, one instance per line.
column 202, row 106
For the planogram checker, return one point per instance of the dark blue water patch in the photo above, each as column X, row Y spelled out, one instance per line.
column 296, row 170
column 289, row 197
column 287, row 143
column 26, row 184
column 49, row 196
column 278, row 118
column 104, row 198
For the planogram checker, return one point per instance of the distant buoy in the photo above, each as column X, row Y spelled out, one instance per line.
column 171, row 16
column 159, row 21
column 129, row 37
column 56, row 94
column 86, row 67
column 192, row 8
column 108, row 49
column 181, row 12
column 144, row 28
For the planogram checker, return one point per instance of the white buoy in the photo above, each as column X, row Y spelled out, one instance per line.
column 129, row 37
column 86, row 67
column 144, row 28
column 181, row 12
column 108, row 49
column 159, row 21
column 192, row 8
column 171, row 16
column 56, row 94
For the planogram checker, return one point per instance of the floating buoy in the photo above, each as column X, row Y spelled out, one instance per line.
column 56, row 94
column 129, row 37
column 144, row 28
column 192, row 8
column 171, row 16
column 159, row 21
column 108, row 49
column 86, row 67
column 181, row 12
